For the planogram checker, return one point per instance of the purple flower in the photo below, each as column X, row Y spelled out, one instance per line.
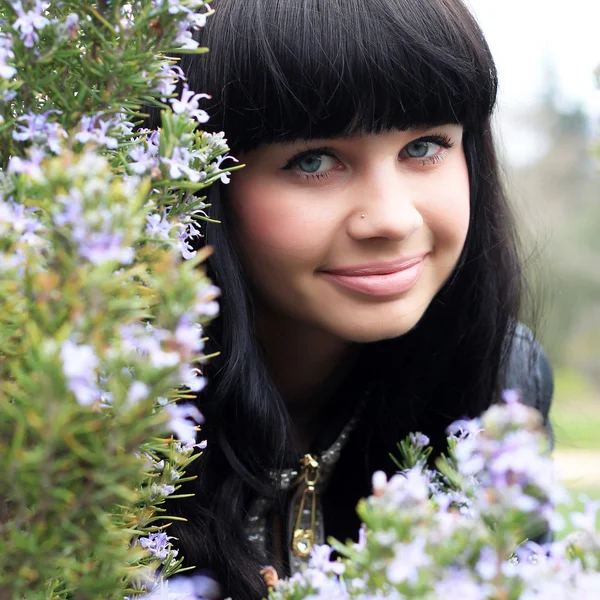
column 188, row 104
column 188, row 336
column 6, row 53
column 158, row 226
column 511, row 396
column 31, row 166
column 419, row 440
column 72, row 24
column 137, row 392
column 21, row 221
column 40, row 131
column 408, row 559
column 217, row 166
column 147, row 341
column 94, row 129
column 464, row 428
column 215, row 141
column 181, row 423
column 186, row 250
column 143, row 158
column 79, row 367
column 158, row 545
column 179, row 165
column 184, row 37
column 461, row 584
column 100, row 247
column 192, row 378
column 165, row 83
column 162, row 489
column 320, row 559
column 587, row 519
column 28, row 22
column 206, row 305
column 199, row 587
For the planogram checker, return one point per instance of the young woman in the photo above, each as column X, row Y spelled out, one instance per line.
column 368, row 265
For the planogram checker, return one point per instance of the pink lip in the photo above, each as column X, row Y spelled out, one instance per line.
column 380, row 279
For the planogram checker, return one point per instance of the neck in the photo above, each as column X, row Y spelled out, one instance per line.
column 307, row 366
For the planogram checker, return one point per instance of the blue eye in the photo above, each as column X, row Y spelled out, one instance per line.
column 421, row 149
column 310, row 163
column 428, row 148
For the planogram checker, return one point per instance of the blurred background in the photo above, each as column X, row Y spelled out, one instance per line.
column 548, row 128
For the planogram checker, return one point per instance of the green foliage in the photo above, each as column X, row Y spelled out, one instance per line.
column 101, row 320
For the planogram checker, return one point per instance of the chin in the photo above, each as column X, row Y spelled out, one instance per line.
column 377, row 330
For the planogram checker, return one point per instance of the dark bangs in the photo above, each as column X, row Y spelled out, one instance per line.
column 280, row 70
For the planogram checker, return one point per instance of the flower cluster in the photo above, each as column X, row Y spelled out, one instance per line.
column 416, row 542
column 104, row 297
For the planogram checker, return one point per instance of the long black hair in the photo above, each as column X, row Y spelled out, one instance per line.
column 280, row 70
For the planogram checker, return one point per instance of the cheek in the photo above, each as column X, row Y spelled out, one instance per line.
column 276, row 227
column 449, row 213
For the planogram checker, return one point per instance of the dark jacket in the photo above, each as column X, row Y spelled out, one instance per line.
column 528, row 370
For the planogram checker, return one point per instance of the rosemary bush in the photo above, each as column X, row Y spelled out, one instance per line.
column 102, row 297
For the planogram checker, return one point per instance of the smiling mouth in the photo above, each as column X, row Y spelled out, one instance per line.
column 379, row 279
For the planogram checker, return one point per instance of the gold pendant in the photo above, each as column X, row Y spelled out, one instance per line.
column 304, row 538
column 303, row 542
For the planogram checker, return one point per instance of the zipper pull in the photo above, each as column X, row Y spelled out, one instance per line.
column 304, row 537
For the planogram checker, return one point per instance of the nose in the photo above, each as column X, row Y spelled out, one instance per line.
column 385, row 205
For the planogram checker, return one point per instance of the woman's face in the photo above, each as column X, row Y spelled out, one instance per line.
column 353, row 236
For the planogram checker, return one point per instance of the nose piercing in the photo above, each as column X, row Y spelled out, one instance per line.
column 363, row 215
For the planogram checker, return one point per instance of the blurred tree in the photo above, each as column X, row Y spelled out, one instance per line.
column 558, row 197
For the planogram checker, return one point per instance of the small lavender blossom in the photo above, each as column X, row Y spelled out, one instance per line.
column 181, row 421
column 188, row 447
column 147, row 341
column 419, row 440
column 158, row 545
column 198, row 587
column 137, row 391
column 408, row 559
column 215, row 141
column 166, row 81
column 126, row 20
column 105, row 246
column 158, row 226
column 188, row 104
column 191, row 378
column 184, row 37
column 29, row 166
column 40, row 131
column 320, row 559
column 144, row 158
column 206, row 305
column 95, row 129
column 80, row 365
column 586, row 520
column 464, row 428
column 6, row 54
column 28, row 23
column 22, row 221
column 217, row 166
column 461, row 584
column 188, row 336
column 179, row 165
column 72, row 24
column 185, row 248
column 162, row 489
